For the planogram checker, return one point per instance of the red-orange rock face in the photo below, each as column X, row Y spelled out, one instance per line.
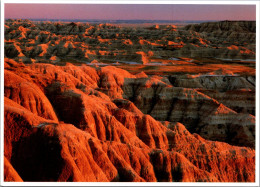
column 71, row 123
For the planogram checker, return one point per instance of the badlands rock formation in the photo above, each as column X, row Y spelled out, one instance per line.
column 30, row 42
column 105, row 103
column 77, row 123
column 231, row 39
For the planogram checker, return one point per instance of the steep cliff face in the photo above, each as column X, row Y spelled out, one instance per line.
column 69, row 148
column 241, row 101
column 166, row 100
column 198, row 112
column 93, row 124
column 233, row 90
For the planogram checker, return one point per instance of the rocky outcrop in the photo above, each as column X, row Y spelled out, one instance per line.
column 241, row 101
column 59, row 42
column 64, row 87
column 100, row 132
column 27, row 95
column 224, row 33
column 69, row 148
column 234, row 91
column 220, row 83
column 200, row 113
column 227, row 31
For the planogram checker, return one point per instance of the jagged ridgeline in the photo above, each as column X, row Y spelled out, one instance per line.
column 40, row 41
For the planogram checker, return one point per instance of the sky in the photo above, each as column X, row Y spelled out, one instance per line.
column 130, row 11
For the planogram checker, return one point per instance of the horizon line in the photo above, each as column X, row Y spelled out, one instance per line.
column 130, row 19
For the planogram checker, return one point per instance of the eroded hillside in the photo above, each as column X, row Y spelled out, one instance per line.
column 104, row 103
column 77, row 123
column 40, row 41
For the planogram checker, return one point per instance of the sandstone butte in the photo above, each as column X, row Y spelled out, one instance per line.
column 87, row 124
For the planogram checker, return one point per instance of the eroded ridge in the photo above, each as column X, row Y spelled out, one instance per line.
column 81, row 123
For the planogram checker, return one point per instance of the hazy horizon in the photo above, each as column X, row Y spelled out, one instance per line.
column 161, row 12
column 124, row 19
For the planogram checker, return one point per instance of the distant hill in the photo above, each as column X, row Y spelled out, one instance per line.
column 238, row 26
